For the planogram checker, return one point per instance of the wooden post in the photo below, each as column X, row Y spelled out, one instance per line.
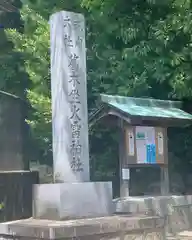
column 165, row 169
column 124, row 183
column 164, row 181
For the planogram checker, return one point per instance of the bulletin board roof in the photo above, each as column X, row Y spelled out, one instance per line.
column 146, row 107
column 142, row 108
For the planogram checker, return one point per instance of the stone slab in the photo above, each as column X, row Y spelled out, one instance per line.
column 177, row 210
column 4, row 226
column 61, row 201
column 111, row 227
column 160, row 205
column 185, row 234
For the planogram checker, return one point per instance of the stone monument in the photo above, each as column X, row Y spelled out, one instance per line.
column 72, row 195
column 69, row 98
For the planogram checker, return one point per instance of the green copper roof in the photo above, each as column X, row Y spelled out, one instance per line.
column 146, row 107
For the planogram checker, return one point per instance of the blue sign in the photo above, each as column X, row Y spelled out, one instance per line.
column 148, row 157
column 151, row 154
column 1, row 26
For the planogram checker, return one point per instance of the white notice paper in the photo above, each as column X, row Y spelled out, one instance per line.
column 141, row 151
column 125, row 174
column 160, row 143
column 144, row 136
column 131, row 147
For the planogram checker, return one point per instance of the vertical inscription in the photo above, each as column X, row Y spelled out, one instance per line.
column 74, row 80
column 69, row 97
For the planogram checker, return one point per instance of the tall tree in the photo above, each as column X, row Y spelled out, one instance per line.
column 12, row 72
column 136, row 49
column 148, row 47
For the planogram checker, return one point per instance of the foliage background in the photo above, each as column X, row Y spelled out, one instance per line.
column 134, row 48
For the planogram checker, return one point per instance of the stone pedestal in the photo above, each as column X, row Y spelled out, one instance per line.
column 61, row 201
column 105, row 228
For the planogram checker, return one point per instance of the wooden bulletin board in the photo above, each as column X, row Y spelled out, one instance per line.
column 145, row 145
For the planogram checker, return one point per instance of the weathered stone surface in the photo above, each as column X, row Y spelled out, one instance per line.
column 185, row 234
column 69, row 97
column 113, row 227
column 61, row 201
column 160, row 205
column 176, row 209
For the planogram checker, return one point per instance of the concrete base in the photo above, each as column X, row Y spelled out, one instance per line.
column 158, row 205
column 105, row 228
column 61, row 201
column 177, row 210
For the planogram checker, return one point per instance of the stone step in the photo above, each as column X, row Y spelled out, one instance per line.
column 114, row 227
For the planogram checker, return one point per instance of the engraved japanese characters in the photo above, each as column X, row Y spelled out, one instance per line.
column 69, row 97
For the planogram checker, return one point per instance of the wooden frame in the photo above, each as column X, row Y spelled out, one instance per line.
column 124, row 121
